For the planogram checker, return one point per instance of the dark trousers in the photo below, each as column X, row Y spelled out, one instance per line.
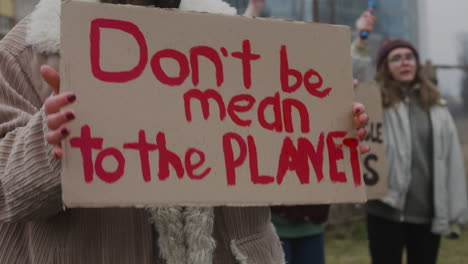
column 304, row 250
column 387, row 239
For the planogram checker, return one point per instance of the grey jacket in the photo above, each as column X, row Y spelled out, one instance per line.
column 450, row 194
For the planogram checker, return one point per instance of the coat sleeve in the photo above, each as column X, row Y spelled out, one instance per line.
column 457, row 189
column 363, row 67
column 360, row 48
column 29, row 175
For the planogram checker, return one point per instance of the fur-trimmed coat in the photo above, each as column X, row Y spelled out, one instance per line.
column 34, row 228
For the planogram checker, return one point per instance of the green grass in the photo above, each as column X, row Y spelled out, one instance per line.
column 347, row 244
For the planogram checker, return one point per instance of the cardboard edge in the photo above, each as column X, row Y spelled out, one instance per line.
column 192, row 204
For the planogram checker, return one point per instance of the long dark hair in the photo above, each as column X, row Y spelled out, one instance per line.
column 392, row 93
column 158, row 3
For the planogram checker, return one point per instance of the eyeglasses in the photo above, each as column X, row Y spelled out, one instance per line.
column 399, row 58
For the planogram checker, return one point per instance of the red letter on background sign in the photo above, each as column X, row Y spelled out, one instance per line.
column 205, row 104
column 190, row 167
column 303, row 114
column 144, row 148
column 277, row 124
column 230, row 162
column 246, row 56
column 313, row 88
column 253, row 162
column 353, row 143
column 286, row 72
column 210, row 54
column 292, row 159
column 315, row 154
column 86, row 143
column 95, row 40
column 234, row 107
column 166, row 158
column 110, row 177
column 161, row 75
column 335, row 153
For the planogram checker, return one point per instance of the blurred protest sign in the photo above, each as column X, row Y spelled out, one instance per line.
column 374, row 165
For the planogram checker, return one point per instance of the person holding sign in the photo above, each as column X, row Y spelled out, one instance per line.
column 34, row 228
column 362, row 63
column 427, row 187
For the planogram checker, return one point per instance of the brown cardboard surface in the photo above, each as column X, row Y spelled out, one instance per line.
column 230, row 158
column 374, row 165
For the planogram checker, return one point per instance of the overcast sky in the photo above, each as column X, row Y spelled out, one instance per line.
column 441, row 25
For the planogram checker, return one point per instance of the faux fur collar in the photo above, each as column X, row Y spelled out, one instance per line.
column 44, row 29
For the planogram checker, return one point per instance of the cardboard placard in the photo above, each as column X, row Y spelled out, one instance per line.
column 182, row 108
column 374, row 163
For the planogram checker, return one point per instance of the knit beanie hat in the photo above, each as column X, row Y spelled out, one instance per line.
column 389, row 44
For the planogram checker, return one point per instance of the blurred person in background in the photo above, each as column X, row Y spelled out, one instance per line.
column 363, row 67
column 254, row 8
column 427, row 194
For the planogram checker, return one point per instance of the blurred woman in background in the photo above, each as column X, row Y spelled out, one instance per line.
column 427, row 187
